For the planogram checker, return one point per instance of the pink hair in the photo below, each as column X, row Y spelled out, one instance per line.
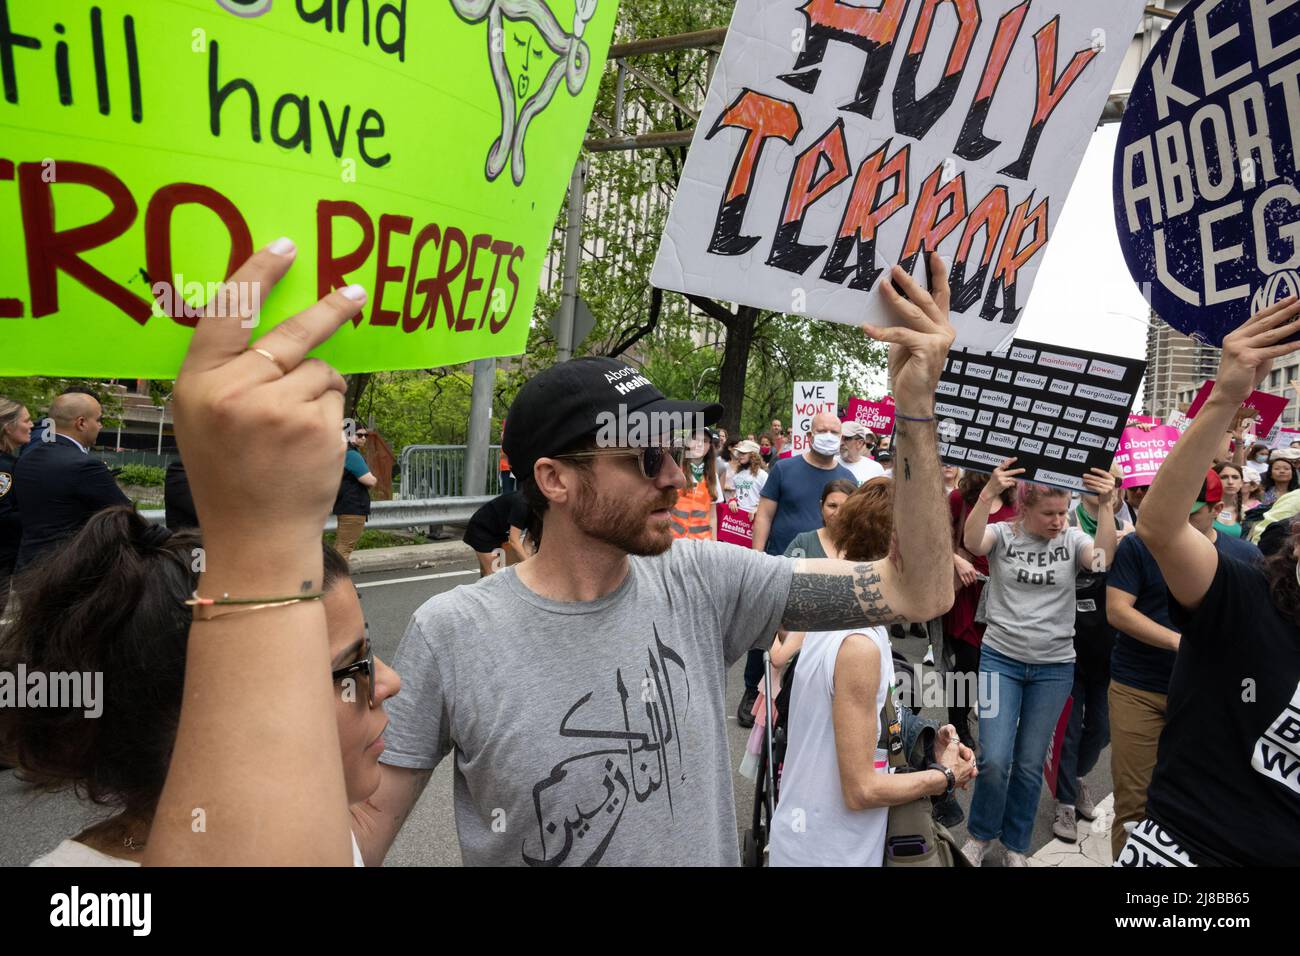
column 1029, row 494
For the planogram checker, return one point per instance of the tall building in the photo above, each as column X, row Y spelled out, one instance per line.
column 1176, row 364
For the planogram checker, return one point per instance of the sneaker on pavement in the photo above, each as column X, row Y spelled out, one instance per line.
column 1015, row 859
column 973, row 850
column 1064, row 826
column 744, row 713
column 1084, row 803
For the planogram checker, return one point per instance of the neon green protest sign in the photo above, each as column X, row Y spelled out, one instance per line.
column 420, row 148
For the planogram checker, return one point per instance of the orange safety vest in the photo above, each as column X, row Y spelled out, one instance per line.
column 690, row 516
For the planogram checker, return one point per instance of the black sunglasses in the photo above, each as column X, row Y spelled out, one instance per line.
column 651, row 459
column 364, row 665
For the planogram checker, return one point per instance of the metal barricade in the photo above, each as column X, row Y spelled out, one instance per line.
column 438, row 471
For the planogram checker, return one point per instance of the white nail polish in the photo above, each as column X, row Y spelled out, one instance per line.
column 283, row 247
column 354, row 292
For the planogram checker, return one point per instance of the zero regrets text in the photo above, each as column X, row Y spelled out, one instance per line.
column 410, row 293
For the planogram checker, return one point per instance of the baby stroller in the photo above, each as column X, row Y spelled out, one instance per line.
column 753, row 851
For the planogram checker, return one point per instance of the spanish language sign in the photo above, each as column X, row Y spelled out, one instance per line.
column 838, row 139
column 1205, row 176
column 810, row 398
column 878, row 416
column 420, row 149
column 1141, row 453
column 1058, row 411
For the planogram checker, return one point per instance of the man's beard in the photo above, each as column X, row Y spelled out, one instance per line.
column 616, row 523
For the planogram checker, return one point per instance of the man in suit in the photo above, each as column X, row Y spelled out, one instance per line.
column 58, row 485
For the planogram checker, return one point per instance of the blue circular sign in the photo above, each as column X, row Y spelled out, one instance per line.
column 1206, row 201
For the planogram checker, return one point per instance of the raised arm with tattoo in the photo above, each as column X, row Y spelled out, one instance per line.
column 915, row 582
column 1188, row 559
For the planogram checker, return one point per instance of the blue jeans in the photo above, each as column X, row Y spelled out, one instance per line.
column 1014, row 737
column 1086, row 736
column 753, row 670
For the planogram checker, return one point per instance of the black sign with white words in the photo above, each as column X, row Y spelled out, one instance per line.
column 1058, row 411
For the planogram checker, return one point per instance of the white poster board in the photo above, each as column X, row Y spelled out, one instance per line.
column 838, row 139
column 810, row 398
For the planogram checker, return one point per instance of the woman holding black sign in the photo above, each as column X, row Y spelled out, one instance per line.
column 1027, row 658
column 1226, row 787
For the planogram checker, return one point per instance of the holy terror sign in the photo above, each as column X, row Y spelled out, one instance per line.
column 840, row 138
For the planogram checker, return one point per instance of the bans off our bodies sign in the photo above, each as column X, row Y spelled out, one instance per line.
column 838, row 139
column 421, row 149
column 1206, row 199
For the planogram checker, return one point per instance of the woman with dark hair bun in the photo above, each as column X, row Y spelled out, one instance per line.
column 111, row 602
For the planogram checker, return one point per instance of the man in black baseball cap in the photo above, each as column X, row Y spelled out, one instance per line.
column 583, row 690
column 601, row 407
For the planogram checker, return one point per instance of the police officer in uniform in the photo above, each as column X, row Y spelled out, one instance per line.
column 15, row 432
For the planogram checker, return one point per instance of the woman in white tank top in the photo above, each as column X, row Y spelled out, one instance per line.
column 836, row 788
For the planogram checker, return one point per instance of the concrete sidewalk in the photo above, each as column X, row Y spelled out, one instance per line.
column 437, row 555
column 1093, row 848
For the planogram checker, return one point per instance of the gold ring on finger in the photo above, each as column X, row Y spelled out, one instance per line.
column 278, row 364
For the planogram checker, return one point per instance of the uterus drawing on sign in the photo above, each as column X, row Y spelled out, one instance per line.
column 526, row 95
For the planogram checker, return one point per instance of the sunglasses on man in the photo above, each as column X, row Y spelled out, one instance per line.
column 651, row 458
column 365, row 665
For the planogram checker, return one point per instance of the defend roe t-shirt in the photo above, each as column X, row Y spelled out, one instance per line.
column 589, row 732
column 1030, row 607
column 1227, row 779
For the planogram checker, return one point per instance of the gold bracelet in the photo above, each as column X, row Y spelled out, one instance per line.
column 205, row 608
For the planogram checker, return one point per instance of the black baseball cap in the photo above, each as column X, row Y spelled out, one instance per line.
column 570, row 401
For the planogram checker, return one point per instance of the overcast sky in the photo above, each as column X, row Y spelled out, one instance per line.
column 1084, row 296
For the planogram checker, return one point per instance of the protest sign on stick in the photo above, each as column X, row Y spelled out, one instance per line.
column 838, row 139
column 1059, row 412
column 1206, row 203
column 421, row 150
column 810, row 398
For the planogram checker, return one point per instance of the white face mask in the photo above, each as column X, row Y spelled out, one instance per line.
column 826, row 443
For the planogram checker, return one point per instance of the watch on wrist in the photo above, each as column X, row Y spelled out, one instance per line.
column 948, row 775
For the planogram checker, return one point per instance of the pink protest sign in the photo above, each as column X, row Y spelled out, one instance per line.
column 735, row 528
column 878, row 416
column 1269, row 407
column 1141, row 453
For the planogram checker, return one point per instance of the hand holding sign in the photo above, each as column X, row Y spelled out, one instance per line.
column 1101, row 483
column 1003, row 477
column 1248, row 353
column 920, row 342
column 243, row 414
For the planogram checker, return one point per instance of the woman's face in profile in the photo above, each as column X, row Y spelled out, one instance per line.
column 361, row 728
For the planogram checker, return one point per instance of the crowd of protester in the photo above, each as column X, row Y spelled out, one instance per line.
column 240, row 676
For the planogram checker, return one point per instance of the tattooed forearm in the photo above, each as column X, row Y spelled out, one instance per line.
column 824, row 602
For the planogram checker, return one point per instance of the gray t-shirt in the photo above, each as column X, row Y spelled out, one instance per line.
column 589, row 732
column 1030, row 609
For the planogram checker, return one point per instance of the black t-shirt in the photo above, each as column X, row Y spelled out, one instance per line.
column 491, row 524
column 1136, row 663
column 1227, row 779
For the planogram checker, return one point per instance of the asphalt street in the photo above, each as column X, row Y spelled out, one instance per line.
column 32, row 824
